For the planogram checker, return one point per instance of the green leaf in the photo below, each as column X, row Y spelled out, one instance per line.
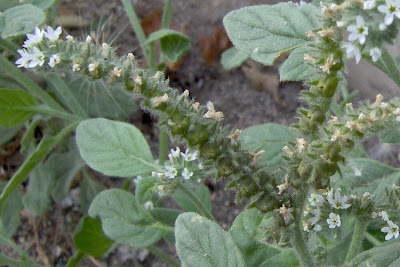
column 10, row 218
column 173, row 44
column 233, row 58
column 264, row 32
column 382, row 256
column 165, row 216
column 365, row 175
column 6, row 134
column 287, row 258
column 145, row 189
column 114, row 148
column 244, row 232
column 37, row 198
column 202, row 193
column 124, row 220
column 90, row 238
column 22, row 19
column 15, row 107
column 6, row 4
column 203, row 243
column 295, row 68
column 269, row 137
column 88, row 190
column 43, row 4
column 390, row 134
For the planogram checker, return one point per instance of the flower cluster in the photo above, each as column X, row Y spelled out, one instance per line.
column 329, row 205
column 391, row 230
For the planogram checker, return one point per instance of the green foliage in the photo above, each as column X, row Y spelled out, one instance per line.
column 390, row 134
column 173, row 44
column 269, row 137
column 124, row 220
column 264, row 32
column 382, row 256
column 114, row 148
column 21, row 19
column 146, row 188
column 233, row 58
column 202, row 193
column 15, row 107
column 201, row 242
column 6, row 134
column 88, row 190
column 295, row 68
column 90, row 238
column 10, row 217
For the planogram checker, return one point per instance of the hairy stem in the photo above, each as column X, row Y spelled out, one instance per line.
column 358, row 236
column 163, row 256
column 203, row 210
column 163, row 148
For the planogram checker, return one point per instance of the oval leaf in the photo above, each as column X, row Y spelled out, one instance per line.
column 15, row 107
column 202, row 243
column 264, row 32
column 21, row 20
column 124, row 220
column 382, row 256
column 233, row 58
column 114, row 148
column 269, row 137
column 295, row 68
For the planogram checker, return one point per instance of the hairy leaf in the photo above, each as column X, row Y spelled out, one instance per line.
column 88, row 190
column 233, row 58
column 124, row 220
column 10, row 218
column 295, row 68
column 15, row 107
column 264, row 32
column 202, row 193
column 202, row 243
column 382, row 256
column 114, row 148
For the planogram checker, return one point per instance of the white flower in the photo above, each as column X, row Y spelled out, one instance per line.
column 317, row 228
column 148, row 205
column 383, row 214
column 76, row 67
column 340, row 23
column 375, row 53
column 352, row 51
column 358, row 31
column 306, row 227
column 334, row 220
column 70, row 38
column 301, row 145
column 53, row 35
column 189, row 156
column 317, row 216
column 382, row 26
column 392, row 231
column 200, row 166
column 170, row 172
column 54, row 60
column 37, row 58
column 390, row 9
column 25, row 59
column 186, row 174
column 175, row 153
column 34, row 39
column 338, row 201
column 369, row 4
column 316, row 200
column 88, row 39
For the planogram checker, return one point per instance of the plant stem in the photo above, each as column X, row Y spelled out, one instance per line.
column 75, row 259
column 372, row 239
column 163, row 147
column 203, row 210
column 130, row 12
column 167, row 14
column 162, row 256
column 358, row 237
column 29, row 84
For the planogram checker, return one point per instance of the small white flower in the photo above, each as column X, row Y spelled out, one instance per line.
column 390, row 9
column 148, row 205
column 352, row 51
column 212, row 113
column 317, row 228
column 200, row 166
column 382, row 26
column 301, row 145
column 369, row 4
column 317, row 216
column 375, row 54
column 175, row 153
column 186, row 174
column 358, row 31
column 170, row 172
column 54, row 60
column 338, row 201
column 137, row 179
column 316, row 200
column 189, row 156
column 340, row 23
column 34, row 39
column 383, row 214
column 25, row 59
column 53, row 35
column 88, row 39
column 93, row 66
column 334, row 220
column 306, row 227
column 76, row 67
column 392, row 231
column 37, row 58
column 70, row 38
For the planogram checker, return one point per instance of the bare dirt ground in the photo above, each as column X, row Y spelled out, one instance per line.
column 49, row 239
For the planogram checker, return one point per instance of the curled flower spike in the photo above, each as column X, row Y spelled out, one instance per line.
column 334, row 220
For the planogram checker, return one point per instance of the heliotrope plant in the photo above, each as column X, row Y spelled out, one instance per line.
column 321, row 205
